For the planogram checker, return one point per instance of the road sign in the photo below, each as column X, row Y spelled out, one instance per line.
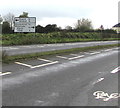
column 24, row 24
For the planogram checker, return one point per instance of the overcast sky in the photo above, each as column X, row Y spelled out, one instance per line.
column 65, row 12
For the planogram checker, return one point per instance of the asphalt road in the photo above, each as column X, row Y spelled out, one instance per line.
column 14, row 50
column 82, row 79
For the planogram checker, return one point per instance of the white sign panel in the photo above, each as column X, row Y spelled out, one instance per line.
column 24, row 24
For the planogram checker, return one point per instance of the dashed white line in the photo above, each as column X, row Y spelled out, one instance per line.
column 44, row 60
column 116, row 70
column 5, row 73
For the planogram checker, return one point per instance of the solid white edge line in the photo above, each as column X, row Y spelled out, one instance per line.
column 44, row 60
column 5, row 73
column 76, row 57
column 44, row 64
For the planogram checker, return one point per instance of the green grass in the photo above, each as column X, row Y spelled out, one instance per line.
column 8, row 59
column 55, row 37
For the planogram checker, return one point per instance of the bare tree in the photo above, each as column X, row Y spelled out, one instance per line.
column 10, row 19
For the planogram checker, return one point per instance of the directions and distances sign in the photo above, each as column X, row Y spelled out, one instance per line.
column 24, row 24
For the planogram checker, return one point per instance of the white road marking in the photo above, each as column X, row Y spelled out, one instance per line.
column 40, row 46
column 44, row 60
column 5, row 73
column 86, row 53
column 13, row 48
column 71, row 58
column 94, row 53
column 108, row 50
column 105, row 96
column 54, row 94
column 100, row 79
column 31, row 46
column 76, row 57
column 23, row 64
column 116, row 70
column 74, row 54
column 116, row 48
column 38, row 102
column 30, row 66
column 62, row 57
column 44, row 64
column 9, row 48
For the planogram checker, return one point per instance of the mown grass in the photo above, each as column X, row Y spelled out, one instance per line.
column 55, row 37
column 8, row 59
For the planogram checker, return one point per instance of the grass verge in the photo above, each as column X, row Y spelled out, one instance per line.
column 8, row 59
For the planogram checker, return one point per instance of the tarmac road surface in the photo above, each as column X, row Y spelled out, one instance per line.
column 82, row 79
column 14, row 50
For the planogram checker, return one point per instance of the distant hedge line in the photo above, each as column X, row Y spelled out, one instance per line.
column 55, row 37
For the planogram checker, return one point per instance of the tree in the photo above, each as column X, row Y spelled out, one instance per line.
column 6, row 27
column 69, row 28
column 50, row 28
column 10, row 19
column 24, row 15
column 83, row 25
column 39, row 29
column 101, row 27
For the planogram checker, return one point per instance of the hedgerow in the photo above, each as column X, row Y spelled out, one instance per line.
column 55, row 37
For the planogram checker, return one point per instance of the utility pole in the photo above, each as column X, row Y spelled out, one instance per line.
column 1, row 58
column 102, row 28
column 1, row 25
